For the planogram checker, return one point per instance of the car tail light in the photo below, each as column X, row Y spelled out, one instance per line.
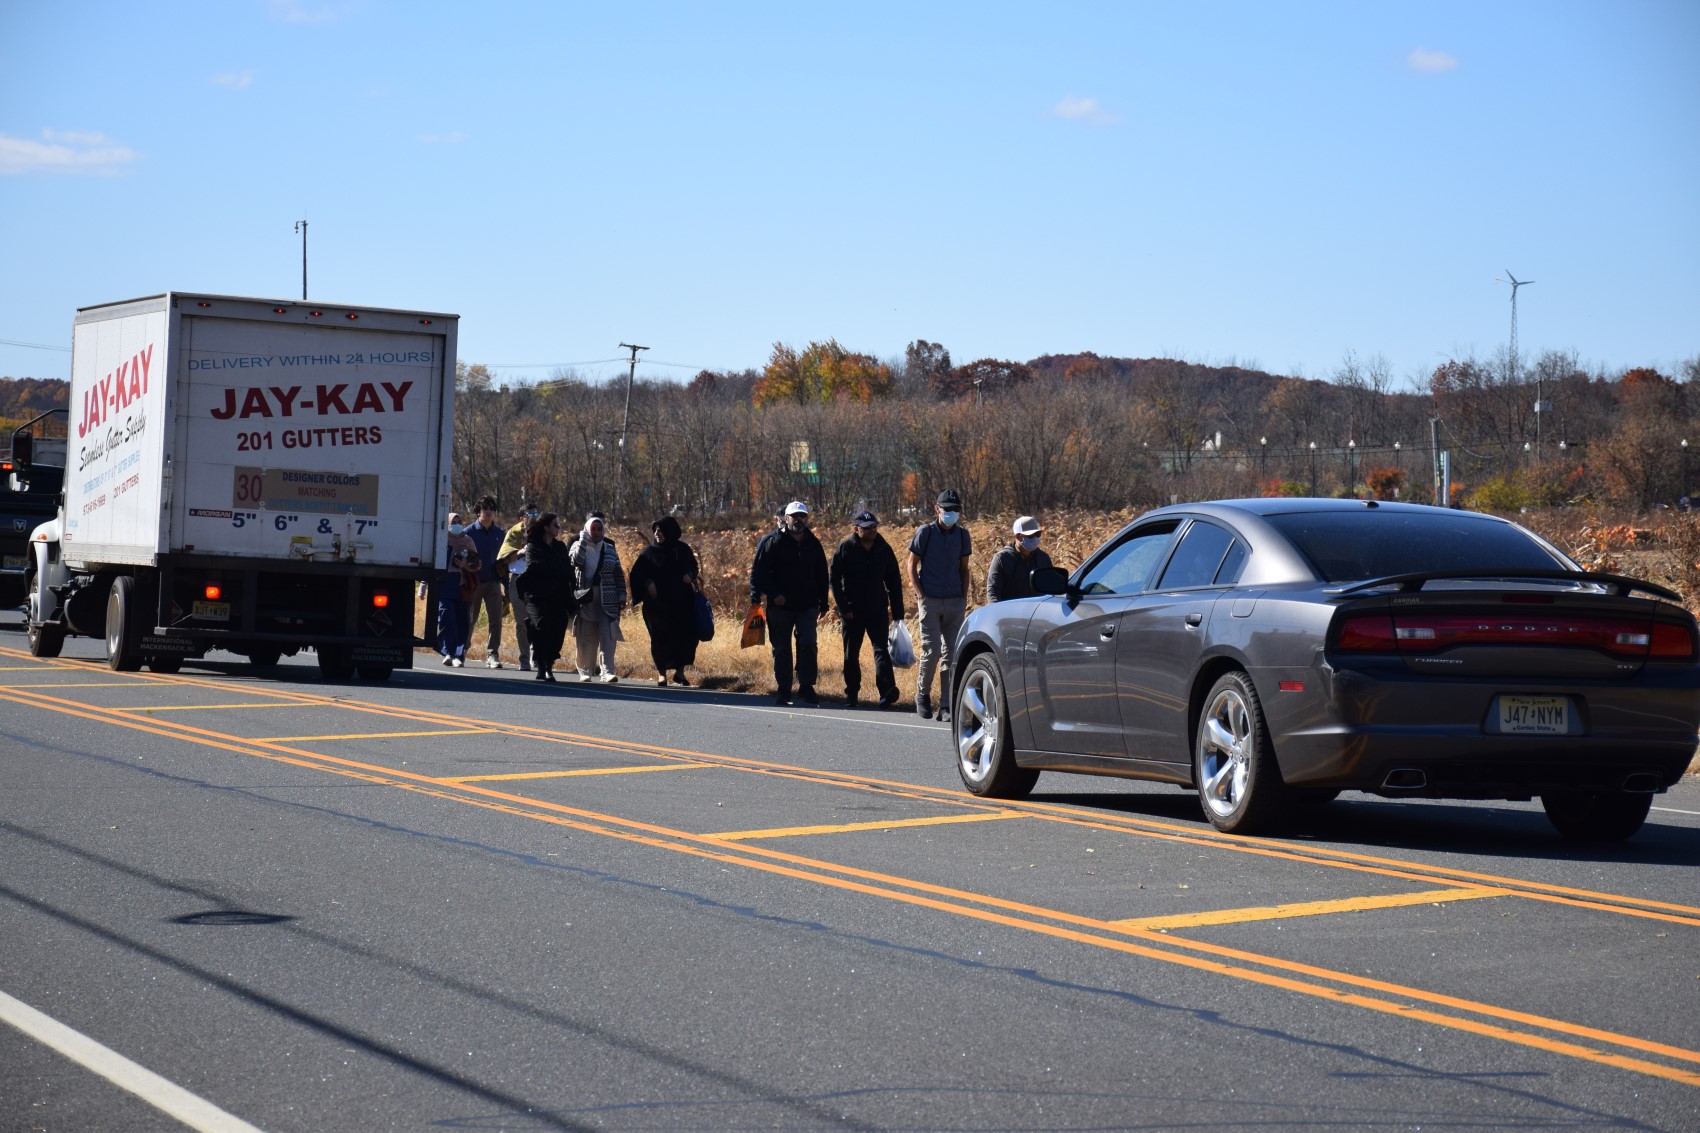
column 1672, row 642
column 214, row 592
column 1433, row 633
column 380, row 601
column 1367, row 633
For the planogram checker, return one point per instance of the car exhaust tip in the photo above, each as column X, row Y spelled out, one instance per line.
column 1641, row 783
column 1405, row 779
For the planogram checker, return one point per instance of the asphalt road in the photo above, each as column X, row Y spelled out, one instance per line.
column 465, row 900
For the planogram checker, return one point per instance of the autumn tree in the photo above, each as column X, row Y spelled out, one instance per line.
column 825, row 371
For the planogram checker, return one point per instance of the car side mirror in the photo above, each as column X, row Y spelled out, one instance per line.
column 23, row 448
column 1050, row 580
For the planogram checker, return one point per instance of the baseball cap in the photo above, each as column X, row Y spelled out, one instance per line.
column 866, row 519
column 796, row 507
column 1027, row 525
column 950, row 500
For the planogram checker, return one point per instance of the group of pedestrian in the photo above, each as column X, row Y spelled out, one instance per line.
column 554, row 585
column 792, row 577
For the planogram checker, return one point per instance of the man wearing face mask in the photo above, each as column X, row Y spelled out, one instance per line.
column 938, row 570
column 869, row 594
column 1011, row 574
column 790, row 572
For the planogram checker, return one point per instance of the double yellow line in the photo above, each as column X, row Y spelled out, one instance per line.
column 1555, row 1036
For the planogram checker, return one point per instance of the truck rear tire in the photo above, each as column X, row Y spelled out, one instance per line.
column 122, row 656
column 335, row 663
column 46, row 640
column 264, row 658
column 165, row 663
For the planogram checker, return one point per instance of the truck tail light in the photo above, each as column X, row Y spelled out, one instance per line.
column 214, row 592
column 380, row 600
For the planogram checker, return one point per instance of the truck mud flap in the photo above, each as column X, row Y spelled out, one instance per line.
column 175, row 646
column 398, row 655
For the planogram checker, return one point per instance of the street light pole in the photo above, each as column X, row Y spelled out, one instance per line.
column 625, row 422
column 301, row 227
column 1313, row 468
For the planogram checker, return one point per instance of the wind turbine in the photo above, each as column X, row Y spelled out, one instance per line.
column 1515, row 284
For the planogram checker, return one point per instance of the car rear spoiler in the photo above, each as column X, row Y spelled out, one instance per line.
column 1620, row 585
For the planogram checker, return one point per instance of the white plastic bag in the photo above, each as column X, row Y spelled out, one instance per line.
column 902, row 646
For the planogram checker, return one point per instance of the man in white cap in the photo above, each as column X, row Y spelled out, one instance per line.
column 790, row 573
column 1011, row 573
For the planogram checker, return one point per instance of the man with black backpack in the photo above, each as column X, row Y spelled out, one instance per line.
column 938, row 570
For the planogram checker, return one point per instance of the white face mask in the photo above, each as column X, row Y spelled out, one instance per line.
column 456, row 529
column 1029, row 542
column 949, row 518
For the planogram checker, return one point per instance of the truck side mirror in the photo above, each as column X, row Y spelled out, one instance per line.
column 23, row 448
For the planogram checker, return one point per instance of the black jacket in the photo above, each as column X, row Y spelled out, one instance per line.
column 547, row 581
column 1010, row 575
column 795, row 568
column 865, row 580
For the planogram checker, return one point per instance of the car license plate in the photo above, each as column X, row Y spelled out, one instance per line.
column 213, row 611
column 12, row 562
column 1534, row 715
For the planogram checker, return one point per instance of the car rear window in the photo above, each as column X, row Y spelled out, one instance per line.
column 1351, row 546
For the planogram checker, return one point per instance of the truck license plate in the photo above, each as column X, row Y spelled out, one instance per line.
column 213, row 611
column 1534, row 715
column 12, row 562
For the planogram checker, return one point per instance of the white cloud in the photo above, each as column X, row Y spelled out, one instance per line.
column 235, row 80
column 63, row 151
column 1431, row 62
column 453, row 138
column 1083, row 110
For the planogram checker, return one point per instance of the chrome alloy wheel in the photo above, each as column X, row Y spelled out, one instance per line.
column 977, row 724
column 1224, row 752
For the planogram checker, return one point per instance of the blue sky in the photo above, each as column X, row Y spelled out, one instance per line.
column 1262, row 183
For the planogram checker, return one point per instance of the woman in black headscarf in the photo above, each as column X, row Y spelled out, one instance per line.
column 546, row 588
column 664, row 580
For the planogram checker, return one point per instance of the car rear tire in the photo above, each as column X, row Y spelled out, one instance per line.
column 1233, row 765
column 1596, row 816
column 122, row 656
column 985, row 756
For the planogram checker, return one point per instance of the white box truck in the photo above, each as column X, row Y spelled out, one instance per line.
column 251, row 475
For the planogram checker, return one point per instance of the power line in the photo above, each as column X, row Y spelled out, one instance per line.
column 33, row 345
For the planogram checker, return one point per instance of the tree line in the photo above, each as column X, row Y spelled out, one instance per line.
column 842, row 430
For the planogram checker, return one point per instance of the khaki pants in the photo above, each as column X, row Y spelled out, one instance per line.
column 940, row 619
column 490, row 596
column 594, row 631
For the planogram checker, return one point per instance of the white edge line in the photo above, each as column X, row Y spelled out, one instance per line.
column 165, row 1096
column 1673, row 810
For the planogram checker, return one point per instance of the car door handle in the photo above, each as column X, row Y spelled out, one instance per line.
column 1107, row 632
column 1194, row 620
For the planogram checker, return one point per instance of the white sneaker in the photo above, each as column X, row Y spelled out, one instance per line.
column 610, row 679
column 447, row 660
column 457, row 662
column 582, row 677
column 492, row 663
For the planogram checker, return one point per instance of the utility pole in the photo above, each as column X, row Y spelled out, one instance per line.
column 301, row 227
column 625, row 422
